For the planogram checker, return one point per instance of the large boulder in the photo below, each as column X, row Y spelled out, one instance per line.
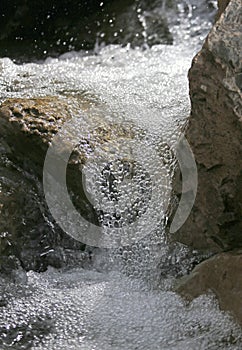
column 214, row 133
column 27, row 231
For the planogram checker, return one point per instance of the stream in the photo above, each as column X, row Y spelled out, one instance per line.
column 119, row 297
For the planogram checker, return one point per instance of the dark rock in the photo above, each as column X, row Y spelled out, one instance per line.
column 215, row 134
column 28, row 232
column 27, row 229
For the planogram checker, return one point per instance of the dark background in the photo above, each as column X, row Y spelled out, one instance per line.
column 39, row 28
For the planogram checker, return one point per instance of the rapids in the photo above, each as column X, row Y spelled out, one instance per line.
column 122, row 298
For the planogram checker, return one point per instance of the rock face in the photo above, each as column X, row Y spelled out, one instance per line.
column 221, row 274
column 215, row 134
column 27, row 126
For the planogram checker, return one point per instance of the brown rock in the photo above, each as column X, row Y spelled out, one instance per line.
column 27, row 127
column 222, row 4
column 27, row 230
column 215, row 135
column 221, row 274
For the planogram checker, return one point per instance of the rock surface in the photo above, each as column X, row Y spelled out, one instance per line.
column 215, row 134
column 221, row 274
column 222, row 4
column 27, row 126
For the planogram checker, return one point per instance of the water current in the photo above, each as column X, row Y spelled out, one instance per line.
column 122, row 298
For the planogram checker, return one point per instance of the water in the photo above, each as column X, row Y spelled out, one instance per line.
column 122, row 298
column 86, row 309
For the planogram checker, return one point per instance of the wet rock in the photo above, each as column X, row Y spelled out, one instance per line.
column 222, row 4
column 27, row 126
column 221, row 274
column 215, row 134
column 27, row 231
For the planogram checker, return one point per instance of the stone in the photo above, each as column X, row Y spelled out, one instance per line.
column 28, row 126
column 27, row 231
column 214, row 133
column 222, row 275
column 222, row 4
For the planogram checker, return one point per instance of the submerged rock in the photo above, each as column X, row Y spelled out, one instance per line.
column 215, row 134
column 221, row 274
column 27, row 128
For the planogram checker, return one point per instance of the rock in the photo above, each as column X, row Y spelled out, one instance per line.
column 221, row 274
column 214, row 133
column 33, row 122
column 222, row 4
column 27, row 127
column 27, row 231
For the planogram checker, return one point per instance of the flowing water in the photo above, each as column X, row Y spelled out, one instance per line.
column 121, row 298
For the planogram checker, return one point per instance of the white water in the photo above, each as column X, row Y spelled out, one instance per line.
column 119, row 302
column 87, row 310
